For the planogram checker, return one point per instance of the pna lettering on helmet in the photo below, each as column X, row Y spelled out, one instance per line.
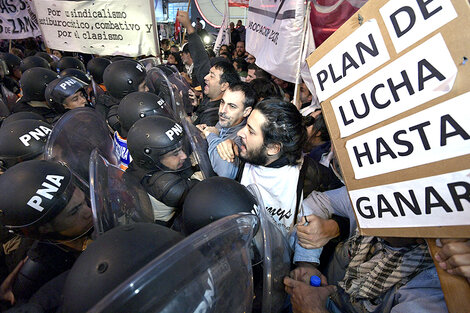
column 67, row 83
column 37, row 133
column 175, row 130
column 36, row 200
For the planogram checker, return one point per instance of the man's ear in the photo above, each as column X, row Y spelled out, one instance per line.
column 247, row 111
column 224, row 86
column 273, row 149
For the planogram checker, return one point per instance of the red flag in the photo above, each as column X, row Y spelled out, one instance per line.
column 177, row 26
column 238, row 3
column 328, row 15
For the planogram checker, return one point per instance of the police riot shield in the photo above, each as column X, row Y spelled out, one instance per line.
column 157, row 82
column 150, row 62
column 116, row 198
column 276, row 257
column 4, row 111
column 209, row 271
column 199, row 148
column 97, row 92
column 74, row 137
column 8, row 97
column 180, row 88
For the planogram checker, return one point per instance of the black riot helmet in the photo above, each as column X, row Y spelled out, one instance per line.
column 45, row 56
column 213, row 199
column 33, row 61
column 70, row 62
column 22, row 116
column 138, row 105
column 38, row 191
column 123, row 77
column 113, row 258
column 13, row 62
column 76, row 73
column 152, row 137
column 21, row 141
column 60, row 89
column 34, row 81
column 96, row 67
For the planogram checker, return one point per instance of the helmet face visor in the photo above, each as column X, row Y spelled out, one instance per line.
column 174, row 159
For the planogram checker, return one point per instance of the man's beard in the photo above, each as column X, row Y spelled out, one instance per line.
column 256, row 157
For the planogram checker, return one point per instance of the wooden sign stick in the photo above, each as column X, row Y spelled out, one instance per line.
column 456, row 289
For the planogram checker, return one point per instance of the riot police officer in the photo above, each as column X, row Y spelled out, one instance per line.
column 43, row 201
column 133, row 107
column 66, row 93
column 107, row 265
column 120, row 78
column 33, row 61
column 33, row 83
column 159, row 151
column 22, row 140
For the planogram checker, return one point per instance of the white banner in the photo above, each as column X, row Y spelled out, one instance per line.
column 441, row 200
column 223, row 37
column 274, row 35
column 102, row 27
column 17, row 21
column 435, row 134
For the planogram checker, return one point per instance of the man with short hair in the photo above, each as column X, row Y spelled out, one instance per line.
column 220, row 76
column 240, row 49
column 235, row 107
column 254, row 71
column 188, row 63
column 215, row 79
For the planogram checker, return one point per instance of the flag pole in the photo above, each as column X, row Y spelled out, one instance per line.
column 301, row 55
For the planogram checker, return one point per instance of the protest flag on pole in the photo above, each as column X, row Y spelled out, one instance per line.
column 177, row 26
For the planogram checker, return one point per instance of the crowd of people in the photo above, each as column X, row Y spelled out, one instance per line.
column 191, row 134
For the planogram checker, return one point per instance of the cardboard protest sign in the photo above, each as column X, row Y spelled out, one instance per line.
column 393, row 82
column 102, row 27
column 17, row 20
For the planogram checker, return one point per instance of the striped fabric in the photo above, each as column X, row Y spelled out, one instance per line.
column 375, row 267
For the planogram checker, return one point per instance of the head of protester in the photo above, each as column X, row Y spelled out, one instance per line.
column 108, row 264
column 265, row 88
column 70, row 62
column 66, row 93
column 254, row 71
column 220, row 76
column 175, row 59
column 157, row 143
column 96, row 67
column 45, row 202
column 213, row 199
column 22, row 140
column 33, row 61
column 138, row 105
column 240, row 49
column 274, row 130
column 236, row 104
column 123, row 77
column 186, row 55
